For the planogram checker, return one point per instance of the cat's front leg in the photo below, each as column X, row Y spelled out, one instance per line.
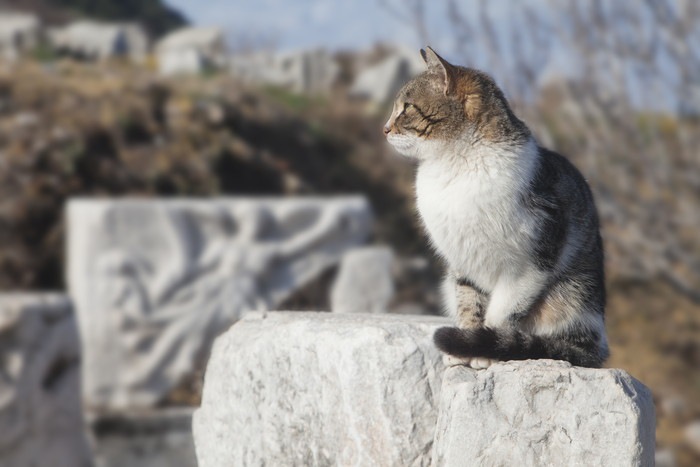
column 464, row 301
column 471, row 305
column 513, row 297
column 467, row 304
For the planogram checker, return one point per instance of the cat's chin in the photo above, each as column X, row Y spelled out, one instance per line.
column 410, row 153
column 407, row 147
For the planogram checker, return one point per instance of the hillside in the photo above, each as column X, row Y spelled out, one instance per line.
column 81, row 131
column 157, row 17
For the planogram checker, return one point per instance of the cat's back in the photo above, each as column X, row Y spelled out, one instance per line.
column 557, row 179
column 568, row 238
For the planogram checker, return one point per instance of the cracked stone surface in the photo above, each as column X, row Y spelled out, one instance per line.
column 321, row 389
column 543, row 412
column 155, row 281
column 41, row 421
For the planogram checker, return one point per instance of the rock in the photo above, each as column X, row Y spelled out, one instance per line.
column 160, row 438
column 27, row 120
column 365, row 282
column 674, row 406
column 40, row 411
column 665, row 458
column 156, row 281
column 543, row 413
column 317, row 389
column 310, row 72
column 692, row 436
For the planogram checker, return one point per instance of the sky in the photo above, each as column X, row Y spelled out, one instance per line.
column 358, row 24
column 297, row 24
column 335, row 24
column 344, row 24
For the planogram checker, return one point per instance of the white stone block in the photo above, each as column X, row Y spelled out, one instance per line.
column 365, row 282
column 154, row 281
column 543, row 413
column 321, row 389
column 41, row 420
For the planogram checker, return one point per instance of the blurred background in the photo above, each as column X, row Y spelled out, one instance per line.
column 180, row 98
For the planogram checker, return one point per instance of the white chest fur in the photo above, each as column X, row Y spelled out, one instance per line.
column 471, row 208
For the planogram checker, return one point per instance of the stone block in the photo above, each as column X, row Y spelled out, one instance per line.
column 321, row 389
column 155, row 281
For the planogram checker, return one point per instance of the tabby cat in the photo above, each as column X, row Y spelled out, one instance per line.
column 515, row 223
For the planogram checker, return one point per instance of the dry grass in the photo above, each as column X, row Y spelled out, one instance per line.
column 655, row 335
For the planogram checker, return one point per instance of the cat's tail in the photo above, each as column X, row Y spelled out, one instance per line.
column 510, row 344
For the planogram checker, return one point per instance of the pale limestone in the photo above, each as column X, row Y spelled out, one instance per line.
column 543, row 413
column 321, row 389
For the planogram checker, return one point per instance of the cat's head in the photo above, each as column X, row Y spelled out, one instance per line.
column 449, row 105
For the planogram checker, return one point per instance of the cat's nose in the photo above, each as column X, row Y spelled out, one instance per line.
column 387, row 129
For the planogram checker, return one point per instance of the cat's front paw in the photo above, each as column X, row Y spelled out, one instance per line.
column 477, row 363
column 451, row 360
column 481, row 363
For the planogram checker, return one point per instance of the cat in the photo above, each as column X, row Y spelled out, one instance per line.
column 515, row 223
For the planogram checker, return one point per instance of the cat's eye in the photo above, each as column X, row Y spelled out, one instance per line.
column 407, row 106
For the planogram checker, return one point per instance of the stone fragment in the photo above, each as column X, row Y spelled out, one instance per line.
column 365, row 282
column 156, row 438
column 665, row 458
column 41, row 421
column 692, row 435
column 674, row 406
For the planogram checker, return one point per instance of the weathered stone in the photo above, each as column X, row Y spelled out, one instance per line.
column 191, row 50
column 317, row 389
column 159, row 438
column 19, row 33
column 95, row 40
column 543, row 413
column 379, row 82
column 155, row 281
column 674, row 406
column 692, row 436
column 41, row 421
column 665, row 458
column 365, row 282
column 311, row 72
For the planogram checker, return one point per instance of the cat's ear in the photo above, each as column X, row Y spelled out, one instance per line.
column 437, row 64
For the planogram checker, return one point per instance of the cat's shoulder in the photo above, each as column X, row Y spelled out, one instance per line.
column 554, row 168
column 554, row 165
column 558, row 178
